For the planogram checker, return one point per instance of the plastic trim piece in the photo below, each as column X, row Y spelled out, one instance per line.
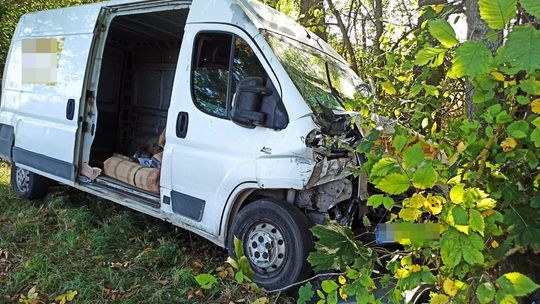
column 188, row 206
column 7, row 140
column 44, row 163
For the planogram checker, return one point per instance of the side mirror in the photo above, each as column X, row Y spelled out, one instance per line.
column 246, row 107
column 258, row 104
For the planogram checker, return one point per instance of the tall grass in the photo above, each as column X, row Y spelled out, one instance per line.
column 72, row 241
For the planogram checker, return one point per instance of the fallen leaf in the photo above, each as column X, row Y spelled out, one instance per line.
column 148, row 250
column 263, row 300
column 118, row 295
column 199, row 293
column 190, row 294
column 66, row 297
column 118, row 265
column 197, row 266
column 128, row 295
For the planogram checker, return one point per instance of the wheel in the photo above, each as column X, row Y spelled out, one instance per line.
column 276, row 240
column 28, row 184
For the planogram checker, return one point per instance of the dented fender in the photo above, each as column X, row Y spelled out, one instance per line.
column 284, row 172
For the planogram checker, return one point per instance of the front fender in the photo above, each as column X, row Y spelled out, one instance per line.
column 284, row 172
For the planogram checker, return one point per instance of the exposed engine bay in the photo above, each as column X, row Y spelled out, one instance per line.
column 333, row 189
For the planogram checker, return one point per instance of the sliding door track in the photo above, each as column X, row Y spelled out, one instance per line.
column 148, row 198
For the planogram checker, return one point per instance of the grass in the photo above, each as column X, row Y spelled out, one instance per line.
column 105, row 252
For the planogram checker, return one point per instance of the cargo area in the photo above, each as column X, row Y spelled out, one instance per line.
column 134, row 94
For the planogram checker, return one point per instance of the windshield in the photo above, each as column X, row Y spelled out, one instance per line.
column 315, row 73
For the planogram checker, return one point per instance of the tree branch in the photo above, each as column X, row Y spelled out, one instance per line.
column 422, row 3
column 345, row 34
column 306, row 280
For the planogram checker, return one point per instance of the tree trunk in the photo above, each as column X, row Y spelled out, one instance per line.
column 378, row 14
column 308, row 19
column 345, row 34
column 476, row 30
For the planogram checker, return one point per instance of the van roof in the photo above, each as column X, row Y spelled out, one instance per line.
column 71, row 20
column 267, row 18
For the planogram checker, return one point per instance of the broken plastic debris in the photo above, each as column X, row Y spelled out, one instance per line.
column 89, row 172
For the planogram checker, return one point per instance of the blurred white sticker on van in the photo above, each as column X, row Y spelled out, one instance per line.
column 40, row 60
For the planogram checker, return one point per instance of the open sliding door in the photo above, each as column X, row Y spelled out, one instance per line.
column 45, row 87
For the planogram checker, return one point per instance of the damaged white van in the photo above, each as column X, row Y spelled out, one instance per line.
column 209, row 114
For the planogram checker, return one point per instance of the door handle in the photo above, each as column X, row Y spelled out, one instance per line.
column 182, row 123
column 70, row 109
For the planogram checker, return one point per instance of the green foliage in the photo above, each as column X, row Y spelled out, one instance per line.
column 472, row 59
column 430, row 56
column 378, row 199
column 336, row 248
column 305, row 293
column 516, row 284
column 531, row 6
column 441, row 30
column 244, row 273
column 206, row 281
column 71, row 243
column 497, row 13
column 522, row 48
column 394, row 183
column 413, row 156
column 518, row 129
column 485, row 293
column 383, row 167
column 474, row 171
column 425, row 177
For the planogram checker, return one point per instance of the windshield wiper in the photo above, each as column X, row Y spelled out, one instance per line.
column 335, row 92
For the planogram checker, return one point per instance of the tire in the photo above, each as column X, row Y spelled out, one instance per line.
column 276, row 240
column 28, row 184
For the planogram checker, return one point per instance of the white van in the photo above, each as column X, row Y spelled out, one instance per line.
column 240, row 94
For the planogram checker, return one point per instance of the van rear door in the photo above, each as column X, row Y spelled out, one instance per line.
column 43, row 90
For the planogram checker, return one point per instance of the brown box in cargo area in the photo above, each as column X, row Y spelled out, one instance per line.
column 132, row 173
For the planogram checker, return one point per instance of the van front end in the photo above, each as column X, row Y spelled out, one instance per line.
column 304, row 169
column 327, row 86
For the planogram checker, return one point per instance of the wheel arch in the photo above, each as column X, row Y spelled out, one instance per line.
column 244, row 197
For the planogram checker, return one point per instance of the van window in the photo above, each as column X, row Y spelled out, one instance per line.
column 213, row 83
column 246, row 64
